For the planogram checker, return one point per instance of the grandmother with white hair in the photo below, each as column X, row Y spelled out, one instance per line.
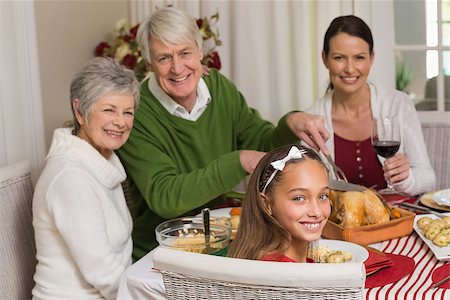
column 195, row 138
column 81, row 221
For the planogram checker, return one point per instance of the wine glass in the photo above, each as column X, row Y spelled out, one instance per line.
column 386, row 141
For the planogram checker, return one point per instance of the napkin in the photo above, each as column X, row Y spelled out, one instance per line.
column 395, row 198
column 377, row 260
column 441, row 273
column 402, row 266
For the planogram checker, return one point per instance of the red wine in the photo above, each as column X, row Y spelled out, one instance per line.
column 386, row 148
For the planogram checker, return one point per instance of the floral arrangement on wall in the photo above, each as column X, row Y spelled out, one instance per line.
column 124, row 48
column 211, row 41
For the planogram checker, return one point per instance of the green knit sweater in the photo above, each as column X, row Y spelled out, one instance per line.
column 176, row 166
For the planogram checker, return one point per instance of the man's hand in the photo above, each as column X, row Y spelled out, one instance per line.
column 310, row 129
column 249, row 159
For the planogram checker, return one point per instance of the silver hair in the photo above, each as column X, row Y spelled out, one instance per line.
column 100, row 76
column 171, row 26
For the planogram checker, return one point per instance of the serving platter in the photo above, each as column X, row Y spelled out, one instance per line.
column 441, row 253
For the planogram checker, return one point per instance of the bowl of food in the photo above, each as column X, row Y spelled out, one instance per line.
column 187, row 234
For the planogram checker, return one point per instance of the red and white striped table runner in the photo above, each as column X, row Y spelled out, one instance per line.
column 417, row 285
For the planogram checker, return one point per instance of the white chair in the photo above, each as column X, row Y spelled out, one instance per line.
column 437, row 140
column 17, row 246
column 198, row 276
column 430, row 95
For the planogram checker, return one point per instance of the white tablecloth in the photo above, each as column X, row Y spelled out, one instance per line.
column 142, row 282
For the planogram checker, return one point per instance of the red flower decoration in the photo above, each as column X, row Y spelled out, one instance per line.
column 213, row 60
column 127, row 38
column 134, row 30
column 101, row 49
column 129, row 61
column 125, row 48
column 211, row 57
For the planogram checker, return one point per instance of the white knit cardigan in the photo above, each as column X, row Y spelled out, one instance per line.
column 81, row 221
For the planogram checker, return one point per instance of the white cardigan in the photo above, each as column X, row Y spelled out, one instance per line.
column 385, row 102
column 81, row 221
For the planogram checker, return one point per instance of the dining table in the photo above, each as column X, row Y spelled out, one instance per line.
column 416, row 273
column 143, row 282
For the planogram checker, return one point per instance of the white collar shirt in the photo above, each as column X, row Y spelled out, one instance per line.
column 201, row 102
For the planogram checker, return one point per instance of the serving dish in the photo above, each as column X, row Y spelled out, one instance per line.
column 187, row 234
column 370, row 234
column 441, row 253
column 221, row 213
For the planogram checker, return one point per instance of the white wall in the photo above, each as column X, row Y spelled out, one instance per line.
column 67, row 33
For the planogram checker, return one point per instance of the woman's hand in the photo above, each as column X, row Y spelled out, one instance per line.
column 310, row 129
column 396, row 168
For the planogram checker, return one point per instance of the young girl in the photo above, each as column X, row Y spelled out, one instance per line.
column 285, row 208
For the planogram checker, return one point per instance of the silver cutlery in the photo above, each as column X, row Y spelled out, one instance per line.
column 206, row 229
column 206, row 224
column 340, row 175
column 441, row 282
column 340, row 185
column 421, row 208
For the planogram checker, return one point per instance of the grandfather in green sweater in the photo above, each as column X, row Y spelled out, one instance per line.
column 194, row 137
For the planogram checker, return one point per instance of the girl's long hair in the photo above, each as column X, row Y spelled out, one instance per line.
column 259, row 233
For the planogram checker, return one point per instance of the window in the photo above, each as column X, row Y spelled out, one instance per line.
column 422, row 47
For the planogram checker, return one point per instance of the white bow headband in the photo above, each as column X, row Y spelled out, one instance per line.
column 278, row 165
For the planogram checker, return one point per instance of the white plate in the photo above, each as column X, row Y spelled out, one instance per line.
column 214, row 213
column 442, row 197
column 441, row 253
column 218, row 213
column 360, row 254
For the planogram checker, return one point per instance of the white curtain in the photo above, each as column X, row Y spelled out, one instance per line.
column 271, row 49
column 21, row 124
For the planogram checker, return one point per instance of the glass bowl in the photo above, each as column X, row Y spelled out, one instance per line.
column 187, row 234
